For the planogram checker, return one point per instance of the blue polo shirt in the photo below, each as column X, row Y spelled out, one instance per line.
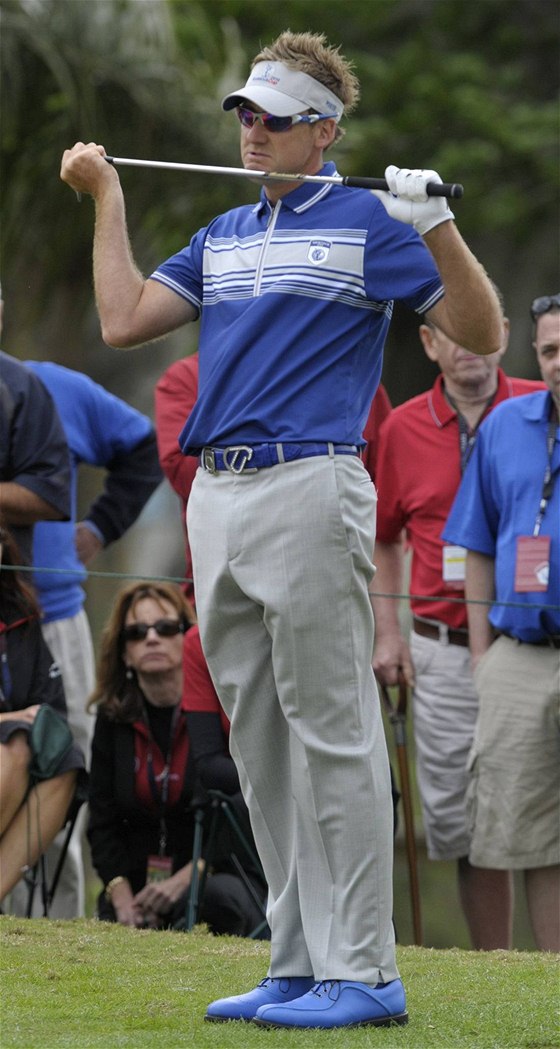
column 98, row 428
column 295, row 301
column 498, row 500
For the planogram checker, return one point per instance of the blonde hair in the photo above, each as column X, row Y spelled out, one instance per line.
column 118, row 696
column 310, row 53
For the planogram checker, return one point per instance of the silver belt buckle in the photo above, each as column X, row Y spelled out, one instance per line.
column 236, row 458
column 208, row 460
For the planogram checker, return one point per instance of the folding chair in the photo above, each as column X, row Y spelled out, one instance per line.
column 38, row 875
column 221, row 808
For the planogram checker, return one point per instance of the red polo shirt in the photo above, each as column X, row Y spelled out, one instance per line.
column 418, row 473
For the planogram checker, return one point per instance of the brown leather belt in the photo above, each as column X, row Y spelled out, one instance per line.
column 550, row 641
column 454, row 637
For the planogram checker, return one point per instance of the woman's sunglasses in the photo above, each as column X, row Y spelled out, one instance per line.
column 272, row 123
column 162, row 627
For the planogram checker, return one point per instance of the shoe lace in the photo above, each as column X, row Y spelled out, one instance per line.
column 325, row 987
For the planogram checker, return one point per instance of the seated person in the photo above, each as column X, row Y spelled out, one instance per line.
column 208, row 729
column 143, row 788
column 31, row 812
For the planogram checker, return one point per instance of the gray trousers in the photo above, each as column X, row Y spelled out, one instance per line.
column 282, row 560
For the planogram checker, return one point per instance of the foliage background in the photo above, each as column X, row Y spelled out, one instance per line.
column 469, row 87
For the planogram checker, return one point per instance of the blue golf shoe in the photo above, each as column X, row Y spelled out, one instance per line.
column 339, row 1003
column 270, row 991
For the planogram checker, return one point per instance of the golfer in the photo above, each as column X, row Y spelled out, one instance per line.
column 295, row 295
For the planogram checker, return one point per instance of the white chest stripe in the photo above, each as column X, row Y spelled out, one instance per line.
column 325, row 264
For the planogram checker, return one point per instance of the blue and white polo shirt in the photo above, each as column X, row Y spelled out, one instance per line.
column 295, row 301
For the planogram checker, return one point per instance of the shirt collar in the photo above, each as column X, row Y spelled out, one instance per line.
column 536, row 406
column 442, row 411
column 304, row 196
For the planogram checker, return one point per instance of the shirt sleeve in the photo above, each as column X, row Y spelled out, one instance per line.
column 182, row 273
column 399, row 265
column 108, row 849
column 175, row 396
column 131, row 478
column 35, row 454
column 391, row 514
column 474, row 517
column 380, row 409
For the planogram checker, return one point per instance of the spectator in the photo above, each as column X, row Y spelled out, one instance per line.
column 423, row 448
column 143, row 783
column 34, row 467
column 105, row 432
column 296, row 295
column 175, row 396
column 507, row 515
column 31, row 812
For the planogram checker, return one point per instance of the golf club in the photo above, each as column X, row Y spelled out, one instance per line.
column 396, row 713
column 433, row 189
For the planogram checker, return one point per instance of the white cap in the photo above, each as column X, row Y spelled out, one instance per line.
column 284, row 92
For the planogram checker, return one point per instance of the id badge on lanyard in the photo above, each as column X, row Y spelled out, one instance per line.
column 532, row 562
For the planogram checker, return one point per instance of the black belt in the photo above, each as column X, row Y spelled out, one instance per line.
column 550, row 641
column 454, row 637
column 247, row 458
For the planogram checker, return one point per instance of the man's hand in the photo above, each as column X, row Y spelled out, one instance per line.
column 391, row 656
column 87, row 543
column 85, row 170
column 407, row 199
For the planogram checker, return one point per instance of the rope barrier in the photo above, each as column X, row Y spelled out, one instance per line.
column 93, row 574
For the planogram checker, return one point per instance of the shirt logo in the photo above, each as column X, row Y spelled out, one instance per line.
column 319, row 251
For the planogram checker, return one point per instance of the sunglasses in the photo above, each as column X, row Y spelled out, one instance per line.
column 544, row 304
column 162, row 627
column 272, row 123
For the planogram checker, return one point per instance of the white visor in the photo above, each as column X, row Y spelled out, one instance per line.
column 284, row 92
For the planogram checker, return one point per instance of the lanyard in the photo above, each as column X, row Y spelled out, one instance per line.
column 161, row 795
column 548, row 482
column 467, row 436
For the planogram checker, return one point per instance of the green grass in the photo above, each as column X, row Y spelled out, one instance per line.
column 84, row 984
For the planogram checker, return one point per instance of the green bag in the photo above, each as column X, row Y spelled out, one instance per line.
column 50, row 740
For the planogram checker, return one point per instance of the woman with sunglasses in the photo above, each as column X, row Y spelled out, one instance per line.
column 31, row 813
column 143, row 777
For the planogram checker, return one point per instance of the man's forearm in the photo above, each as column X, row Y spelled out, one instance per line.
column 479, row 591
column 470, row 312
column 388, row 579
column 118, row 282
column 20, row 506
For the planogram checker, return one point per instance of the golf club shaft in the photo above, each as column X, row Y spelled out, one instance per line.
column 434, row 189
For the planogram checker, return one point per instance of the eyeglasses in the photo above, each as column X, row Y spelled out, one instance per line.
column 248, row 118
column 162, row 627
column 544, row 304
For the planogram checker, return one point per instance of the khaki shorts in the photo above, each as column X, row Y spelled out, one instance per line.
column 514, row 791
column 445, row 709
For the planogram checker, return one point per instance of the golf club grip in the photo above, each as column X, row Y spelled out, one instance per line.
column 433, row 189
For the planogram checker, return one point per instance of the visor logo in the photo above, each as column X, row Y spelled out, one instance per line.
column 267, row 76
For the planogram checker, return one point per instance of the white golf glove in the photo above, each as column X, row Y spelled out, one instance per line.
column 407, row 200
